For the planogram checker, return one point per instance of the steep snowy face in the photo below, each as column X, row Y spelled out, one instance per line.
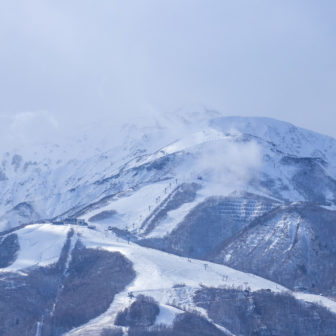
column 224, row 155
column 51, row 179
column 292, row 245
column 286, row 137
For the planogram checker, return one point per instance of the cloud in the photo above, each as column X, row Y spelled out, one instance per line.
column 22, row 131
column 25, row 120
column 85, row 60
column 229, row 164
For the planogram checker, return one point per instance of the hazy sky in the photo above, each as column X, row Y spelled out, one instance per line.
column 70, row 61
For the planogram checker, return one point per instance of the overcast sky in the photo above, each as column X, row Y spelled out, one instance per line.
column 71, row 61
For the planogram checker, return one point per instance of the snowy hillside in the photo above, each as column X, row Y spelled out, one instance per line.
column 185, row 217
column 260, row 155
column 172, row 281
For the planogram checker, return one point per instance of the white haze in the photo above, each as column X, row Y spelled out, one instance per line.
column 226, row 166
column 66, row 64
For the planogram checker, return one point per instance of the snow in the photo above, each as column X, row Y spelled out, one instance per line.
column 287, row 137
column 157, row 273
column 166, row 270
column 317, row 299
column 195, row 139
column 133, row 207
column 40, row 245
column 169, row 279
column 174, row 217
column 167, row 315
column 184, row 143
column 54, row 182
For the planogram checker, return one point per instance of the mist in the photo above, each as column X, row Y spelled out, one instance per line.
column 67, row 65
column 226, row 166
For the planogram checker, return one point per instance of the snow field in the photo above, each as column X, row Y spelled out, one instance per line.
column 40, row 245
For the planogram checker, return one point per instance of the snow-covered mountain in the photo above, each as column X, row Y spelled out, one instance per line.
column 67, row 279
column 261, row 155
column 183, row 215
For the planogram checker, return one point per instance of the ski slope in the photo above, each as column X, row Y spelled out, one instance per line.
column 132, row 207
column 171, row 280
column 40, row 246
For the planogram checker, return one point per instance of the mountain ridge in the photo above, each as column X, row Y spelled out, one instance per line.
column 215, row 212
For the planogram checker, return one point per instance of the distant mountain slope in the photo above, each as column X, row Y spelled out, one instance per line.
column 70, row 269
column 293, row 245
column 252, row 154
column 164, row 211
